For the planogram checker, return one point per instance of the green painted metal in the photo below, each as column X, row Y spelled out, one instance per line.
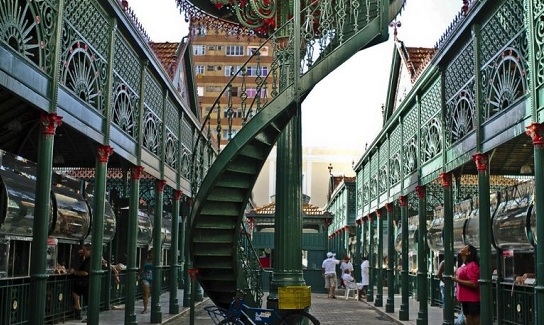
column 448, row 248
column 156, row 312
column 422, row 258
column 173, row 306
column 378, row 302
column 99, row 197
column 390, row 304
column 187, row 265
column 371, row 258
column 404, row 311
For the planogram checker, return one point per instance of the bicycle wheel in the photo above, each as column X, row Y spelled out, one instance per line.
column 231, row 321
column 299, row 318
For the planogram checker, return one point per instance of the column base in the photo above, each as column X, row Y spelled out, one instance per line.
column 173, row 308
column 421, row 320
column 156, row 317
column 379, row 301
column 404, row 313
column 389, row 306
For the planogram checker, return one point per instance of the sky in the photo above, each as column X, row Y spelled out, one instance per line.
column 344, row 109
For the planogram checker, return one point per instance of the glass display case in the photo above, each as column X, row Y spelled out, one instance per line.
column 110, row 223
column 73, row 218
column 435, row 240
column 145, row 229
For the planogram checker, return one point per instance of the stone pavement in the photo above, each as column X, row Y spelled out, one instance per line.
column 327, row 311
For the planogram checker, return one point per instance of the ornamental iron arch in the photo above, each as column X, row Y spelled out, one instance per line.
column 507, row 83
column 432, row 140
column 125, row 114
column 461, row 120
column 410, row 156
column 382, row 179
column 394, row 173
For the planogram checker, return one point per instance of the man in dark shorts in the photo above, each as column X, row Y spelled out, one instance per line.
column 81, row 280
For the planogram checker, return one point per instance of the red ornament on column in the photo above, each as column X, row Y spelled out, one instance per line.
column 160, row 184
column 379, row 213
column 482, row 161
column 193, row 273
column 369, row 217
column 178, row 194
column 50, row 122
column 421, row 191
column 403, row 200
column 104, row 153
column 136, row 172
column 535, row 131
column 446, row 179
column 389, row 207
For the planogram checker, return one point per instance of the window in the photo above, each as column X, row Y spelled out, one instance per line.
column 225, row 134
column 213, row 88
column 210, row 68
column 252, row 93
column 231, row 70
column 199, row 49
column 236, row 113
column 211, row 48
column 200, row 91
column 252, row 49
column 235, row 50
column 252, row 71
column 199, row 69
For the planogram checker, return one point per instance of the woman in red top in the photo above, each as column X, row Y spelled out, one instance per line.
column 468, row 290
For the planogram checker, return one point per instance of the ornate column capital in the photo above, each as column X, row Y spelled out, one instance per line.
column 421, row 191
column 178, row 194
column 193, row 273
column 49, row 123
column 369, row 217
column 535, row 131
column 104, row 153
column 160, row 184
column 136, row 172
column 403, row 200
column 389, row 207
column 481, row 160
column 446, row 179
column 379, row 213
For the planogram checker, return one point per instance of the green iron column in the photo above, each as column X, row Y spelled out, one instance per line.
column 404, row 311
column 536, row 132
column 99, row 197
column 156, row 313
column 448, row 248
column 173, row 307
column 364, row 236
column 288, row 218
column 484, row 213
column 390, row 304
column 356, row 260
column 38, row 275
column 132, row 268
column 422, row 286
column 371, row 259
column 379, row 261
column 187, row 261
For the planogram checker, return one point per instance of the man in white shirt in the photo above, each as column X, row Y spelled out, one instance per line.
column 365, row 273
column 345, row 265
column 329, row 272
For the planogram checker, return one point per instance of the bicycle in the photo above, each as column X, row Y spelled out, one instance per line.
column 239, row 313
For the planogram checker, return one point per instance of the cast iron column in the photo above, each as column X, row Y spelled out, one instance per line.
column 486, row 272
column 422, row 287
column 535, row 131
column 40, row 224
column 156, row 313
column 132, row 268
column 390, row 304
column 404, row 311
column 356, row 260
column 187, row 264
column 364, row 237
column 448, row 248
column 173, row 307
column 379, row 274
column 288, row 219
column 371, row 259
column 99, row 197
column 193, row 273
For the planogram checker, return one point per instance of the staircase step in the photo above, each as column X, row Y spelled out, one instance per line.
column 205, row 262
column 244, row 165
column 234, row 180
column 216, row 222
column 255, row 150
column 213, row 237
column 226, row 250
column 221, row 209
column 223, row 194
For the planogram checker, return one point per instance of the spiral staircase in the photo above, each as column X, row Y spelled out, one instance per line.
column 219, row 205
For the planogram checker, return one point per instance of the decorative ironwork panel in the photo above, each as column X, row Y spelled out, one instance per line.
column 374, row 161
column 366, row 184
column 28, row 27
column 126, row 63
column 83, row 71
column 153, row 94
column 187, row 134
column 125, row 108
column 501, row 27
column 90, row 22
column 383, row 181
column 460, row 112
column 185, row 162
column 431, row 120
column 460, row 70
column 410, row 156
column 504, row 80
column 395, row 139
column 410, row 124
column 538, row 42
column 171, row 150
column 152, row 127
column 395, row 169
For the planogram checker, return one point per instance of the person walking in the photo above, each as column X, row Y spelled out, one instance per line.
column 468, row 291
column 365, row 274
column 81, row 280
column 146, row 277
column 329, row 272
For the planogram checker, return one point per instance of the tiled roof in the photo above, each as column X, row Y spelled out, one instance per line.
column 167, row 55
column 418, row 59
column 270, row 209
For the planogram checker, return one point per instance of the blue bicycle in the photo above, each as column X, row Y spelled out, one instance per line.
column 241, row 314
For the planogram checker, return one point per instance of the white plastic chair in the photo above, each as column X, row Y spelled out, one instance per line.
column 355, row 293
